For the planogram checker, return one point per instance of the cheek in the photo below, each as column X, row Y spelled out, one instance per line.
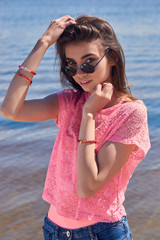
column 104, row 72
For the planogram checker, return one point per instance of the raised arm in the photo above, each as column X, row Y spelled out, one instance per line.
column 95, row 170
column 14, row 105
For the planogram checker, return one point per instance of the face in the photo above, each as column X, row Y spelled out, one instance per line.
column 92, row 52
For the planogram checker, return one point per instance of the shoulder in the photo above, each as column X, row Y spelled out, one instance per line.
column 130, row 111
column 71, row 96
column 69, row 93
column 135, row 112
column 137, row 106
column 66, row 92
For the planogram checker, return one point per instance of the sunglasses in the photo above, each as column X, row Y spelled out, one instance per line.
column 85, row 67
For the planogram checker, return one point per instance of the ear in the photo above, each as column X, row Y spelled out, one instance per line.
column 112, row 63
column 114, row 57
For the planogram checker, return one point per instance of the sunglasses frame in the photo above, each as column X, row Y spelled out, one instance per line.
column 92, row 67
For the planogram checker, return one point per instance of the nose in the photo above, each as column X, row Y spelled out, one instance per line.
column 80, row 72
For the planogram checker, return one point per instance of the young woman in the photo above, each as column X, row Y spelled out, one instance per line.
column 103, row 131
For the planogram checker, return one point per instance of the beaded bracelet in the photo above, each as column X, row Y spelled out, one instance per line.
column 26, row 69
column 18, row 74
column 85, row 141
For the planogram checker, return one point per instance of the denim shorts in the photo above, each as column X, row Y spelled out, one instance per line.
column 100, row 231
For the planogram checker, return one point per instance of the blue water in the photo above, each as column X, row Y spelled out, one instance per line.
column 25, row 148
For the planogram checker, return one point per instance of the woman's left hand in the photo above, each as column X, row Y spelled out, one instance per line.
column 99, row 99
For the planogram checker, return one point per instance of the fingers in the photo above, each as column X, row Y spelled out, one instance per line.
column 65, row 21
column 67, row 17
column 107, row 86
column 64, row 18
column 104, row 92
column 69, row 22
column 104, row 87
column 56, row 28
column 106, row 83
column 98, row 87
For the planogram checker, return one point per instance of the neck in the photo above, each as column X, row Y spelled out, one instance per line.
column 114, row 100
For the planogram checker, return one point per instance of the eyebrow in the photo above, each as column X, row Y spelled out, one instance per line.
column 88, row 55
column 83, row 57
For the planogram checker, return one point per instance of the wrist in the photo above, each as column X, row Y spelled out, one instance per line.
column 87, row 113
column 44, row 41
column 87, row 129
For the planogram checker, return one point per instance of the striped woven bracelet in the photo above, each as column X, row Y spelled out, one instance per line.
column 85, row 141
column 26, row 69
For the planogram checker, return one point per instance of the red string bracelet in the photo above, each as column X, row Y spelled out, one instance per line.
column 26, row 69
column 85, row 141
column 18, row 74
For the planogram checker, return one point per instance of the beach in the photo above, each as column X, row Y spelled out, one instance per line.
column 25, row 148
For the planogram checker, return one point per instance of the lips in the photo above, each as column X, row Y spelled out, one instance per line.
column 85, row 82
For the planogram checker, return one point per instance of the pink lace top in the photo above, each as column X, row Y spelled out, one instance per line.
column 125, row 123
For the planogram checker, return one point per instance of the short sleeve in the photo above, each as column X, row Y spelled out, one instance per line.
column 134, row 130
column 64, row 100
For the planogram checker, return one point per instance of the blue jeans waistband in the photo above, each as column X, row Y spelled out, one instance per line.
column 51, row 229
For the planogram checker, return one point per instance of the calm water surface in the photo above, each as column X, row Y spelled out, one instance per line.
column 25, row 148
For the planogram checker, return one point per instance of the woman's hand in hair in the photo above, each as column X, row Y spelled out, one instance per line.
column 56, row 28
column 99, row 99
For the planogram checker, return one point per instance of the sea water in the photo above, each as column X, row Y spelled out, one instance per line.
column 25, row 148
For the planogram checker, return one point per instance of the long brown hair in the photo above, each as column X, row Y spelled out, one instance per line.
column 87, row 29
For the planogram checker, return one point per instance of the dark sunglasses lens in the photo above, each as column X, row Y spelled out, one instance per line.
column 70, row 71
column 87, row 68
